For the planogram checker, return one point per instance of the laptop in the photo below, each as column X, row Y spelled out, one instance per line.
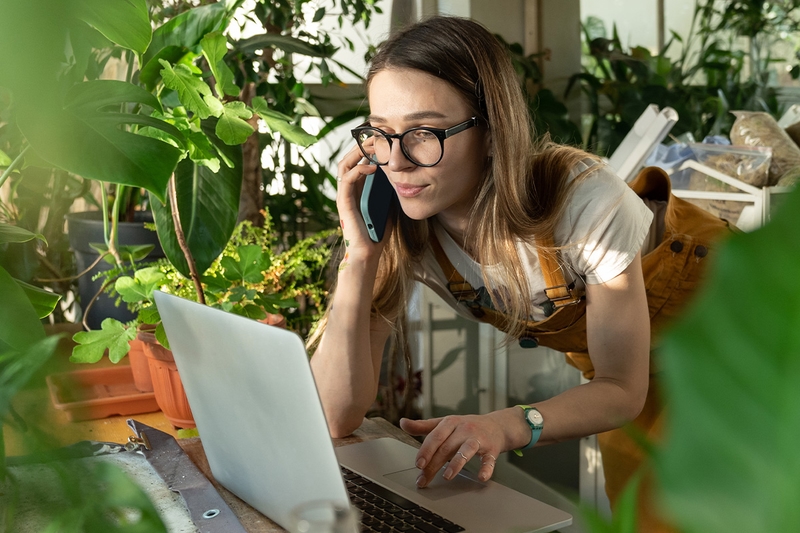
column 264, row 432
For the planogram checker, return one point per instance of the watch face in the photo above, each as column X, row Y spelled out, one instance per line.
column 535, row 417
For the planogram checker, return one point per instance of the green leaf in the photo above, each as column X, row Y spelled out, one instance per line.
column 202, row 152
column 84, row 138
column 273, row 303
column 19, row 322
column 161, row 335
column 250, row 311
column 141, row 286
column 249, row 268
column 214, row 49
column 5, row 160
column 17, row 368
column 150, row 74
column 191, row 90
column 731, row 372
column 113, row 336
column 43, row 302
column 230, row 127
column 216, row 283
column 281, row 123
column 149, row 315
column 286, row 43
column 126, row 23
column 128, row 252
column 9, row 233
column 208, row 203
column 187, row 29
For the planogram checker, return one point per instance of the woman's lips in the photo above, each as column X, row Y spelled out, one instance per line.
column 407, row 190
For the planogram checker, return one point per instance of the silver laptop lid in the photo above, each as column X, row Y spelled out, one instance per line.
column 232, row 367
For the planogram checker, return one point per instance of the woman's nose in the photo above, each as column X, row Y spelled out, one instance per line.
column 397, row 159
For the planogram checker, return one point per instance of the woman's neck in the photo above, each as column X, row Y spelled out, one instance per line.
column 456, row 227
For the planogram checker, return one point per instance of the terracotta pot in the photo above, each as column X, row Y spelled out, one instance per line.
column 140, row 366
column 167, row 385
column 274, row 320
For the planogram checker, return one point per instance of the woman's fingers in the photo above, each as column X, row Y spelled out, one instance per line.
column 465, row 452
column 352, row 170
column 487, row 466
column 454, row 441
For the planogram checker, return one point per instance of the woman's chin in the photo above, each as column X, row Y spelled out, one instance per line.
column 415, row 212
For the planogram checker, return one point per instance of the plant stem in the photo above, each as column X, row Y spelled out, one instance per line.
column 113, row 238
column 104, row 205
column 187, row 253
column 12, row 166
column 93, row 300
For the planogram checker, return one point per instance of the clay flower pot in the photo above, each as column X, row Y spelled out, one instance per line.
column 140, row 367
column 274, row 320
column 167, row 385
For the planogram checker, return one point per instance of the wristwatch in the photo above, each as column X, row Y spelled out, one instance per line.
column 536, row 421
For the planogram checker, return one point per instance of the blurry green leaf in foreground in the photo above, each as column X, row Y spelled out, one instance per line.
column 9, row 233
column 43, row 302
column 731, row 457
column 17, row 368
column 19, row 321
column 86, row 495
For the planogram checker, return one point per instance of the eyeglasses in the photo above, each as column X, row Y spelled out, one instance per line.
column 422, row 146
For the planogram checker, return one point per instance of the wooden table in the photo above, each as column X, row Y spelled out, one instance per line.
column 252, row 520
column 35, row 406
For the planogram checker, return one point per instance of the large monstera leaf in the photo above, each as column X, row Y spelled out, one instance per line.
column 87, row 135
column 732, row 381
column 208, row 204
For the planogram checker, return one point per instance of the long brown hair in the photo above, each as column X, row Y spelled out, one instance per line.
column 524, row 189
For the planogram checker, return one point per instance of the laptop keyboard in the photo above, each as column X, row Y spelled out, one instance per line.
column 383, row 510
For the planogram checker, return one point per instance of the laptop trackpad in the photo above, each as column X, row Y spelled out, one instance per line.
column 438, row 488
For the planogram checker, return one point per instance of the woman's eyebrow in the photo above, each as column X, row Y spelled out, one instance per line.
column 419, row 115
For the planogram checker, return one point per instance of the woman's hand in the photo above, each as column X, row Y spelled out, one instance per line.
column 352, row 171
column 457, row 439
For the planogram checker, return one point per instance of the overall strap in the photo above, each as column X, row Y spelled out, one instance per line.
column 558, row 292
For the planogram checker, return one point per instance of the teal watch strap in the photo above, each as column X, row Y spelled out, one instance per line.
column 536, row 423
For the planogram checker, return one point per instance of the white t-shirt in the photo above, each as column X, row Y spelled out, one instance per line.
column 602, row 229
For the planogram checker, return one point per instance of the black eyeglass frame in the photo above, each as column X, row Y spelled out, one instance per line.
column 440, row 134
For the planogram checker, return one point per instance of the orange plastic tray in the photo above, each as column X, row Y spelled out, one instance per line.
column 99, row 393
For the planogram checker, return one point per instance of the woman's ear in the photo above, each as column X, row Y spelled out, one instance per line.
column 488, row 146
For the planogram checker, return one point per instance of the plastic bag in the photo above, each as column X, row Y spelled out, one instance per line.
column 749, row 165
column 755, row 128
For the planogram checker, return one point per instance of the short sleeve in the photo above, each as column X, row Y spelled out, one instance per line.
column 604, row 226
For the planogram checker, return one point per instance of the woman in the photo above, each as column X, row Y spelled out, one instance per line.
column 483, row 207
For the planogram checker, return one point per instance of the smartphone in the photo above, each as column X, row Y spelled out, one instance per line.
column 377, row 199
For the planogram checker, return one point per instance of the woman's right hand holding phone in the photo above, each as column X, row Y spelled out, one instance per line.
column 352, row 172
column 347, row 362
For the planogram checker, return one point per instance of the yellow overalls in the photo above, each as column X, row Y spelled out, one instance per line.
column 672, row 273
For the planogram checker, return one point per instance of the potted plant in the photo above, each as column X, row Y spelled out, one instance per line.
column 253, row 277
column 172, row 127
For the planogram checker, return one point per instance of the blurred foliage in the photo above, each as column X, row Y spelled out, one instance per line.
column 730, row 461
column 713, row 75
column 549, row 114
column 274, row 69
